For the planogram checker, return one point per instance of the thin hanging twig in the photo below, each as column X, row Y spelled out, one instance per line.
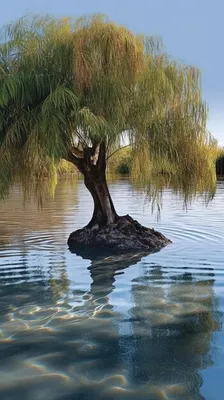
column 120, row 148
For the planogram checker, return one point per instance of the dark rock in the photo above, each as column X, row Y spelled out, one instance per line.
column 124, row 235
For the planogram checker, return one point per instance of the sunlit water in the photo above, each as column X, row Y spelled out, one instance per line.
column 112, row 329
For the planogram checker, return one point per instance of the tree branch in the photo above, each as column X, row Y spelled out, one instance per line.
column 77, row 152
column 120, row 148
column 82, row 140
column 95, row 156
column 101, row 161
column 78, row 162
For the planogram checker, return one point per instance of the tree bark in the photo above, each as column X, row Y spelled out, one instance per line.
column 93, row 167
column 104, row 211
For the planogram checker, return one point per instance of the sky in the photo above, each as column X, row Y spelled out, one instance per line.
column 192, row 31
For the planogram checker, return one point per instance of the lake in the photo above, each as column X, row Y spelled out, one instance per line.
column 112, row 328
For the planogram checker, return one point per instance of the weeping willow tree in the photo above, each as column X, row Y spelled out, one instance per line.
column 77, row 91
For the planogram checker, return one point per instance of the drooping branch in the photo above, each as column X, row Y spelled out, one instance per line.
column 81, row 139
column 120, row 148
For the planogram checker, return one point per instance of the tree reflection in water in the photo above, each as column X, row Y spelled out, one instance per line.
column 171, row 325
column 78, row 344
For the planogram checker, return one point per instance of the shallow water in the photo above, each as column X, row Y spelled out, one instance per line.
column 112, row 329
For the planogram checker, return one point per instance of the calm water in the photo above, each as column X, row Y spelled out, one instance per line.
column 73, row 328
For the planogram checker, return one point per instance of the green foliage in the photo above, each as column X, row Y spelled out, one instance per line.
column 64, row 85
column 220, row 153
column 65, row 167
column 121, row 161
column 220, row 162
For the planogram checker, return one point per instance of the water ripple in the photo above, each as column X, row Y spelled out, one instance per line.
column 110, row 328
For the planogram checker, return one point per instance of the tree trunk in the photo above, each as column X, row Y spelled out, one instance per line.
column 111, row 232
column 104, row 212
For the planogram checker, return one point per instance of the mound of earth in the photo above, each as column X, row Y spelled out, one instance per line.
column 125, row 235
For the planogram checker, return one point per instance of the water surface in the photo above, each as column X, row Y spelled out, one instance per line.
column 113, row 329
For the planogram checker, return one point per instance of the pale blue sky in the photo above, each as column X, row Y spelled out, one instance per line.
column 192, row 30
